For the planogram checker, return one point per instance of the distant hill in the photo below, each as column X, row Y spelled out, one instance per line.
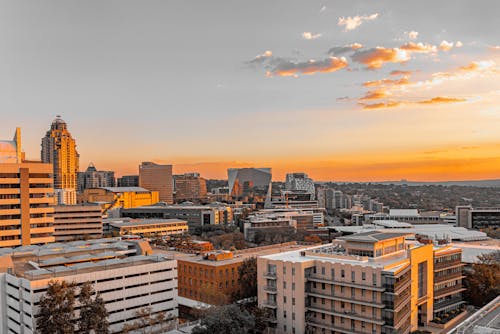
column 474, row 183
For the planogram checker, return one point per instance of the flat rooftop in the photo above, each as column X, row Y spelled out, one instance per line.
column 62, row 259
column 374, row 236
column 145, row 222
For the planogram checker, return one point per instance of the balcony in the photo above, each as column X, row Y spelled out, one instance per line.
column 438, row 306
column 270, row 289
column 445, row 265
column 270, row 304
column 328, row 280
column 449, row 277
column 345, row 299
column 270, row 274
column 447, row 291
column 346, row 314
column 331, row 327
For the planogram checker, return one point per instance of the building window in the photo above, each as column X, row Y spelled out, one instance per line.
column 284, row 299
column 374, row 278
column 284, row 285
column 342, row 273
column 293, row 315
column 353, row 276
column 293, row 286
column 422, row 279
column 322, row 270
column 293, row 301
column 284, row 270
column 333, row 273
column 293, row 271
column 363, row 276
column 284, row 314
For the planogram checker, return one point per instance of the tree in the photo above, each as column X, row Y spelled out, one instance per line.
column 57, row 309
column 483, row 283
column 93, row 313
column 247, row 279
column 146, row 322
column 228, row 319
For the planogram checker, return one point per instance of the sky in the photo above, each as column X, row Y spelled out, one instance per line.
column 341, row 90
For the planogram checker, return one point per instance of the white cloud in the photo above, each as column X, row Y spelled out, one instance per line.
column 446, row 46
column 310, row 35
column 413, row 34
column 459, row 44
column 352, row 23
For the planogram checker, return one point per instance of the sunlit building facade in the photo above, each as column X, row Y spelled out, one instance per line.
column 59, row 149
column 26, row 197
column 158, row 178
column 190, row 187
column 245, row 183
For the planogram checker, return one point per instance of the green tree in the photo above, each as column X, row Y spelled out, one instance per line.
column 57, row 307
column 483, row 282
column 247, row 279
column 93, row 313
column 228, row 319
column 147, row 323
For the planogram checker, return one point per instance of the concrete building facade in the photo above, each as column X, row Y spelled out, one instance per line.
column 368, row 283
column 190, row 187
column 59, row 149
column 77, row 222
column 126, row 279
column 93, row 178
column 26, row 197
column 149, row 227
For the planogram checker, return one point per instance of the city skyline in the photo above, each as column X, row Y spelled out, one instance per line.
column 396, row 91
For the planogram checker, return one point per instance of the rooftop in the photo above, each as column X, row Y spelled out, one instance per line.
column 142, row 222
column 125, row 189
column 374, row 236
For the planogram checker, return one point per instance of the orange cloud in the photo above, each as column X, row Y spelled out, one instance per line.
column 397, row 72
column 381, row 105
column 418, row 47
column 288, row 68
column 442, row 99
column 375, row 58
column 352, row 23
column 387, row 82
column 374, row 95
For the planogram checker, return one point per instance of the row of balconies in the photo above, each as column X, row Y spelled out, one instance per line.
column 347, row 283
column 438, row 293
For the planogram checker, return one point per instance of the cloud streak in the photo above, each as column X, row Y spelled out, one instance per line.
column 340, row 50
column 285, row 68
column 351, row 23
column 309, row 35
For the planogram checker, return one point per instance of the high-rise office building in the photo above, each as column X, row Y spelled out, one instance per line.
column 59, row 149
column 189, row 187
column 249, row 182
column 128, row 181
column 300, row 182
column 156, row 177
column 26, row 196
column 93, row 178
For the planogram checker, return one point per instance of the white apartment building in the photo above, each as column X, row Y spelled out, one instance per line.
column 126, row 280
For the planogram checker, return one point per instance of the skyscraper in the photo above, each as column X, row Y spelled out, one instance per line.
column 300, row 182
column 59, row 149
column 251, row 182
column 156, row 177
column 93, row 178
column 26, row 196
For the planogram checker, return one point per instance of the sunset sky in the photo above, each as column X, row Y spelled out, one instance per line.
column 341, row 90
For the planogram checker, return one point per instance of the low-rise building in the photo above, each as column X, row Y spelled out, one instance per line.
column 77, row 222
column 412, row 216
column 126, row 279
column 478, row 218
column 119, row 197
column 149, row 227
column 193, row 214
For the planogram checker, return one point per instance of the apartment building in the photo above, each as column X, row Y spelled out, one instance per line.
column 366, row 283
column 77, row 222
column 26, row 197
column 125, row 277
column 448, row 275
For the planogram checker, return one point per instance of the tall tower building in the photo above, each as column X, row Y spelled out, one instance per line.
column 26, row 197
column 59, row 149
column 156, row 177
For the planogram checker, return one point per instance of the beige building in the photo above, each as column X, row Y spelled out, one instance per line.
column 119, row 197
column 157, row 178
column 59, row 149
column 149, row 227
column 77, row 222
column 372, row 282
column 26, row 196
column 190, row 187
